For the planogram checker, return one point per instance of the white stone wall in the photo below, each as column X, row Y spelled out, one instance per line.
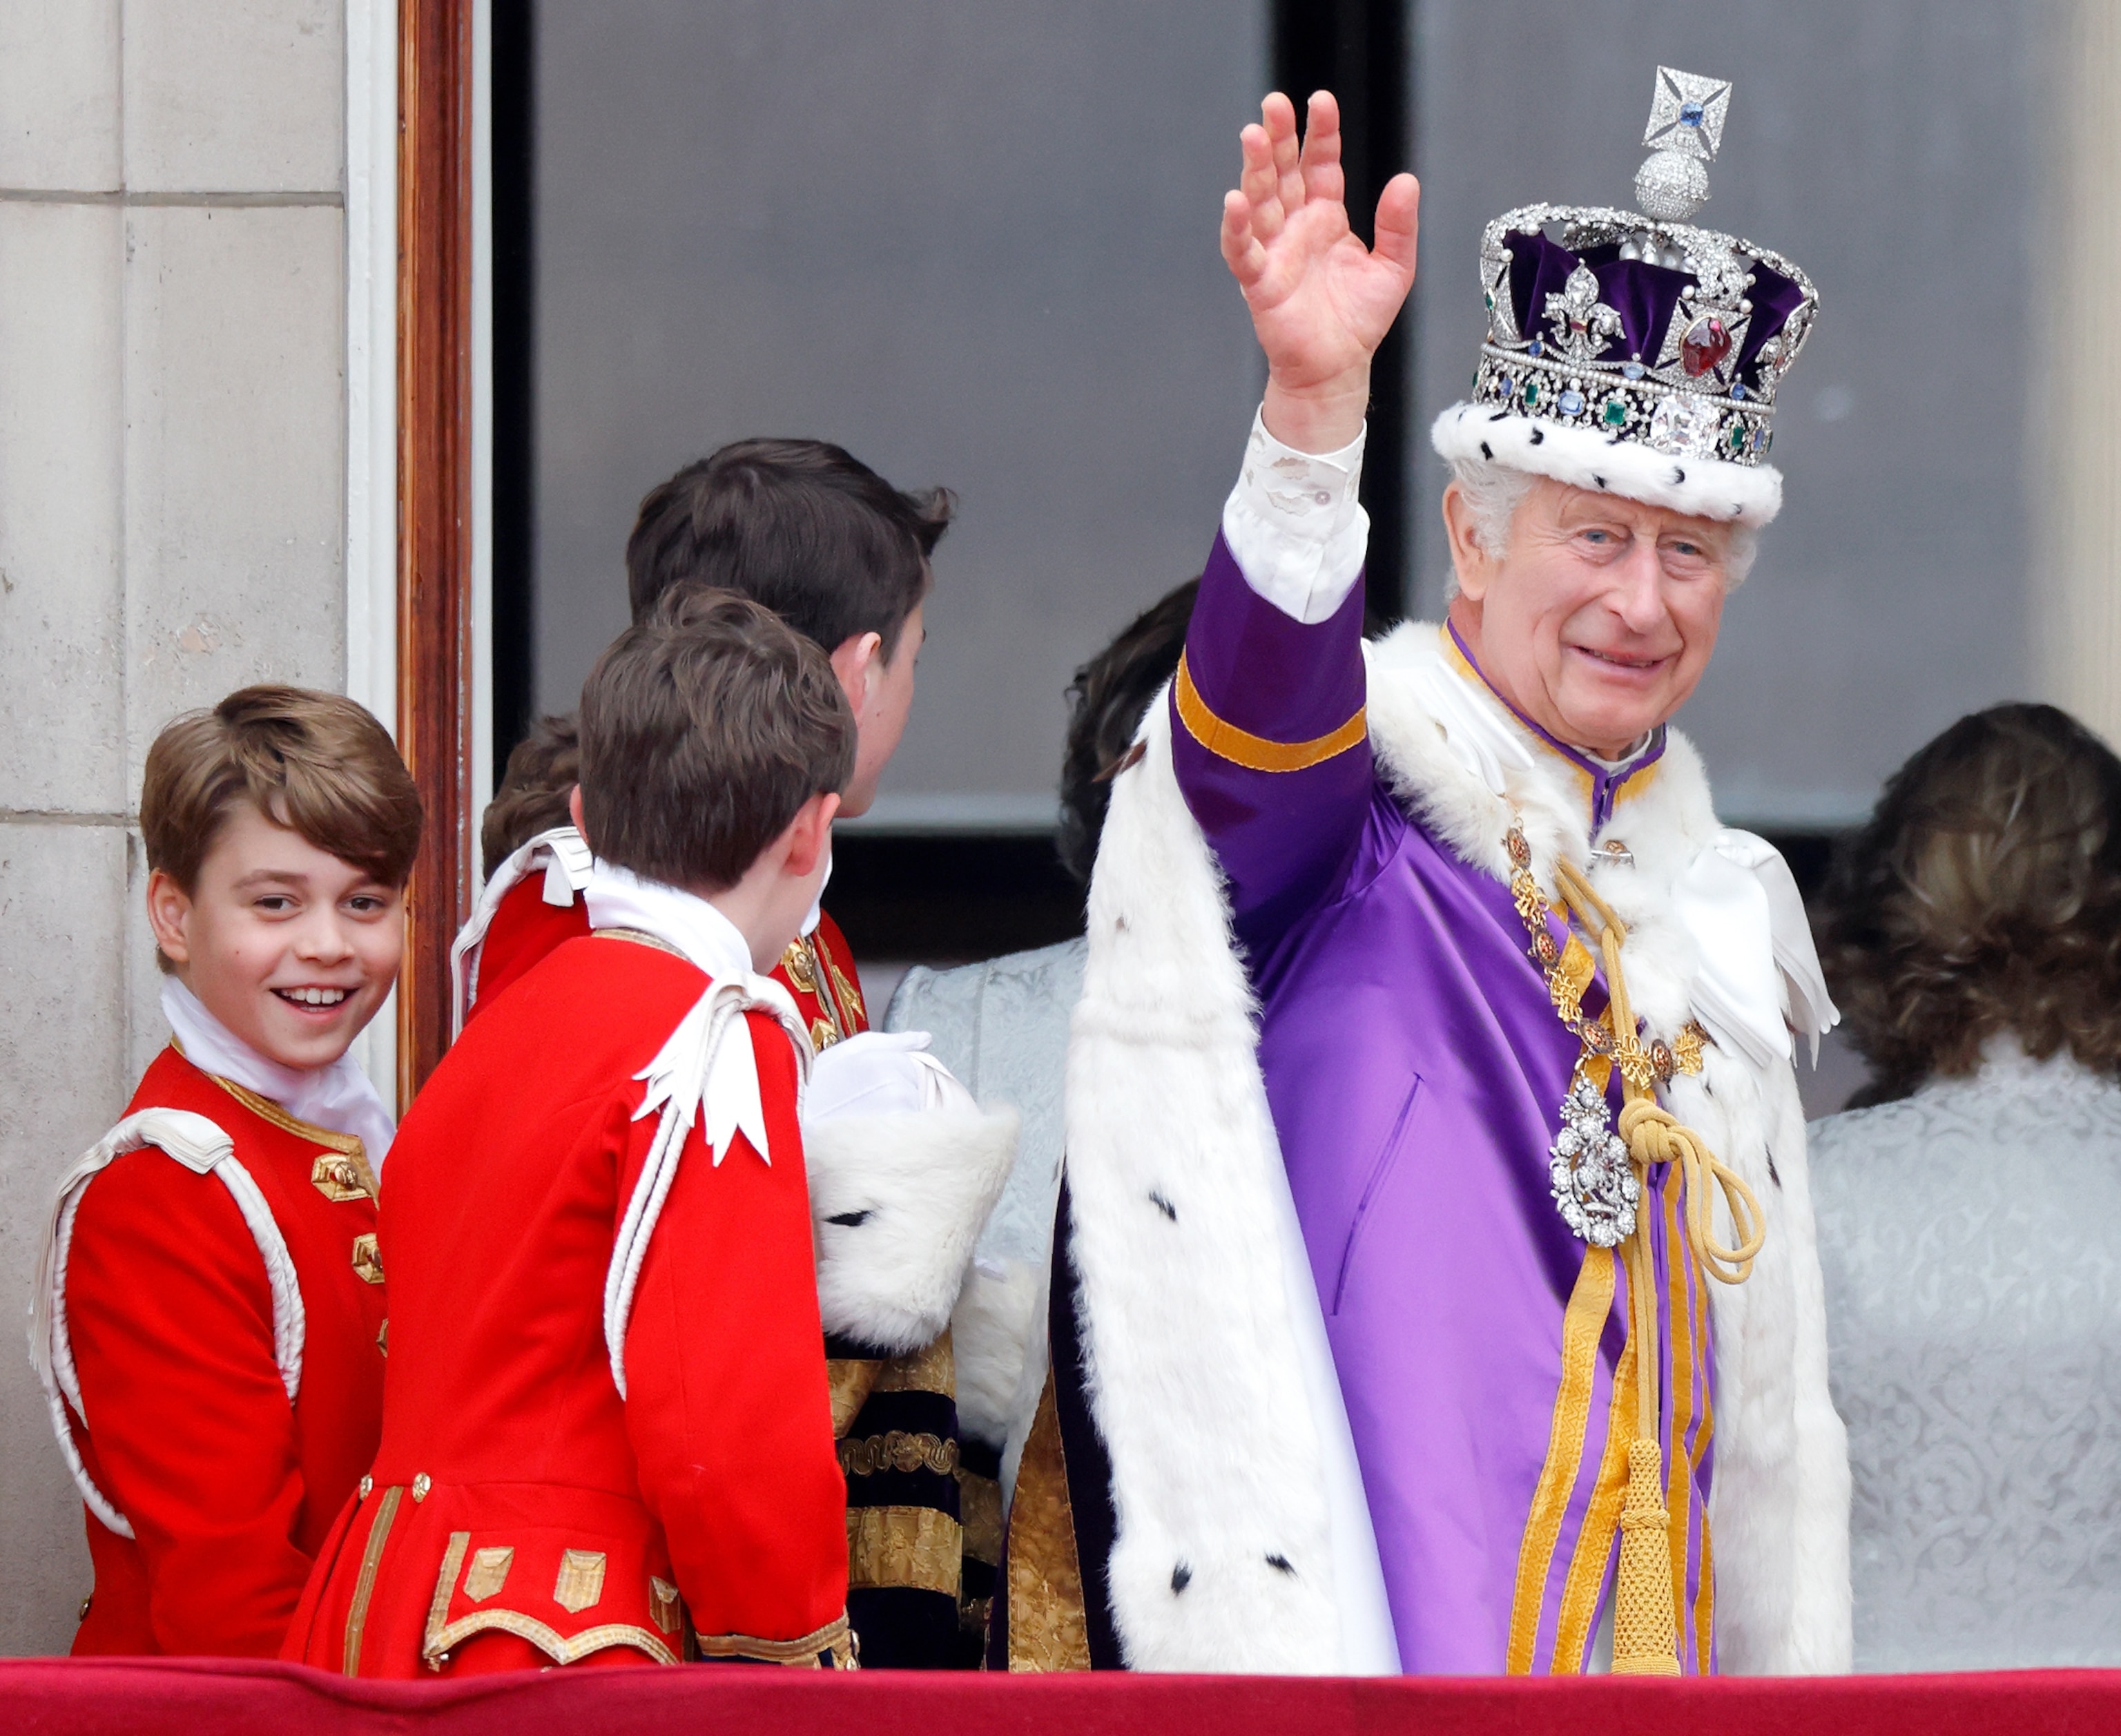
column 173, row 419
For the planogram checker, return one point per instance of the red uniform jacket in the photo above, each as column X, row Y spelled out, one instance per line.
column 521, row 1509
column 229, row 1486
column 818, row 969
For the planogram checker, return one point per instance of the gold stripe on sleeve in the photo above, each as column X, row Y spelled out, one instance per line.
column 1255, row 753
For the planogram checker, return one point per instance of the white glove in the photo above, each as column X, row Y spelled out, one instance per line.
column 881, row 1073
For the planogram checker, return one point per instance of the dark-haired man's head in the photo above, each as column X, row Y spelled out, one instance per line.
column 715, row 741
column 1105, row 701
column 821, row 539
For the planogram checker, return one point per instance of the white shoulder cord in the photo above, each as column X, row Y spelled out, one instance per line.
column 708, row 1064
column 201, row 1146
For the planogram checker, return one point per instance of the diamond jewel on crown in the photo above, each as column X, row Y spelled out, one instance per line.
column 1582, row 324
column 1684, row 131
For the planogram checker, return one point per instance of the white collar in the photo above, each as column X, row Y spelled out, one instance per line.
column 617, row 898
column 339, row 1098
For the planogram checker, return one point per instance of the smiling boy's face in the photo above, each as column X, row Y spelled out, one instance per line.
column 291, row 948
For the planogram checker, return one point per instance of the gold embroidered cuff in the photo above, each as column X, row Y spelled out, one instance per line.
column 898, row 1451
column 835, row 1638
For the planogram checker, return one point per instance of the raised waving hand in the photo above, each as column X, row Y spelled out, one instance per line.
column 1321, row 301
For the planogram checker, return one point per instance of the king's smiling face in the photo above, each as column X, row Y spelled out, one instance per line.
column 291, row 948
column 1597, row 616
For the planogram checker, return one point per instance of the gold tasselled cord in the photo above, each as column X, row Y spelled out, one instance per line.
column 1645, row 1619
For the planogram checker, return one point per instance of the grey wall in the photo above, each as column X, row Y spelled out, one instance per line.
column 973, row 243
column 1887, row 146
column 172, row 472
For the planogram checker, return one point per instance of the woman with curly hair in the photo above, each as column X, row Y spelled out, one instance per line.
column 1969, row 1209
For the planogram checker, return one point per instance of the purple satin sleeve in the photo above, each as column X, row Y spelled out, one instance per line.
column 1285, row 838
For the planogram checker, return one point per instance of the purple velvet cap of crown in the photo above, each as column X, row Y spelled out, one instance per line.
column 1645, row 296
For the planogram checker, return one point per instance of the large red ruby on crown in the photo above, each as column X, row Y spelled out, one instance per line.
column 1705, row 344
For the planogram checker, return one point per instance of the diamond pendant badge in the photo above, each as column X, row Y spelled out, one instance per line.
column 1594, row 1184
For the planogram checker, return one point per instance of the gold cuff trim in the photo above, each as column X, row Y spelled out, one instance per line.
column 905, row 1549
column 850, row 1380
column 436, row 1653
column 898, row 1451
column 979, row 1511
column 932, row 1369
column 835, row 1637
column 364, row 1588
column 1255, row 753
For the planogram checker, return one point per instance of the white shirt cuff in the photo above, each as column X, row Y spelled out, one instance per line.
column 1294, row 525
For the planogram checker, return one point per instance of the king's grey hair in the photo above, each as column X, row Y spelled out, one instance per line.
column 1494, row 492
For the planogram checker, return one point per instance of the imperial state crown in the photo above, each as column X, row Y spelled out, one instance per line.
column 1631, row 350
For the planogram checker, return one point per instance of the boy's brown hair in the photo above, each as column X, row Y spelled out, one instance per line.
column 542, row 768
column 704, row 729
column 314, row 762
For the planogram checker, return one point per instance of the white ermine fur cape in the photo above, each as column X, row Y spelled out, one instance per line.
column 1192, row 1357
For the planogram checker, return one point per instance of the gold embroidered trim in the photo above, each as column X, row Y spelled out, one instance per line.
column 979, row 1511
column 580, row 1585
column 905, row 1548
column 663, row 1603
column 1255, row 753
column 834, row 1637
column 850, row 997
column 438, row 1606
column 367, row 1258
column 640, row 937
column 1589, row 1305
column 364, row 1587
column 265, row 1109
column 1048, row 1627
column 488, row 1573
column 898, row 1450
column 830, row 1030
column 849, row 1380
column 932, row 1369
column 436, row 1653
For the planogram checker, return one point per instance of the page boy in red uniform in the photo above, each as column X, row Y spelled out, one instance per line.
column 210, row 1304
column 607, row 1432
column 843, row 558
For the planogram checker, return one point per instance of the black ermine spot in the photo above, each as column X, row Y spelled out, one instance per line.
column 1539, row 437
column 1164, row 1206
column 1182, row 1576
column 1279, row 1563
column 1772, row 1176
column 849, row 1220
column 1487, row 452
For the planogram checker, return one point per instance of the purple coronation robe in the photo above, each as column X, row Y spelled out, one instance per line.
column 1415, row 1066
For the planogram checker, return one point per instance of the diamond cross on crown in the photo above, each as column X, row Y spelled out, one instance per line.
column 1687, row 113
